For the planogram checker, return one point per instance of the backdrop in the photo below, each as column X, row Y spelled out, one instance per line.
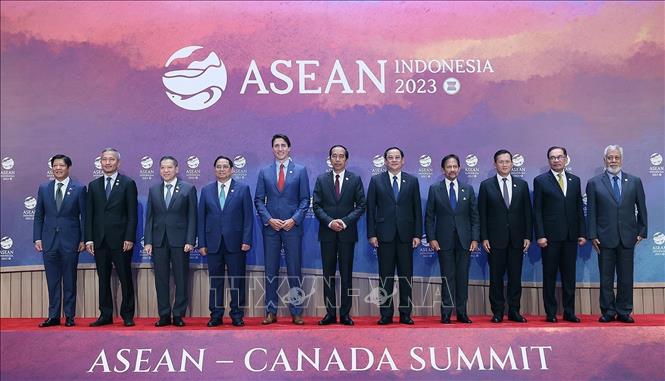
column 196, row 80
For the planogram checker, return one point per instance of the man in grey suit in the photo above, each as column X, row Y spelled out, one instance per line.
column 617, row 215
column 452, row 228
column 169, row 237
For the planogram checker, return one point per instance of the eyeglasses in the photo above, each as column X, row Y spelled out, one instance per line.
column 555, row 158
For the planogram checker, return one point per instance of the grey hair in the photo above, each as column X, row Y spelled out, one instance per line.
column 613, row 147
column 113, row 151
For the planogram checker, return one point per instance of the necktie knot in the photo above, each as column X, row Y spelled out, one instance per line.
column 60, row 185
column 169, row 186
column 108, row 179
column 616, row 178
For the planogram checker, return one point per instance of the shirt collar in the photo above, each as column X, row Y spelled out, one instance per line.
column 341, row 174
column 172, row 182
column 447, row 181
column 65, row 182
column 286, row 163
column 555, row 173
column 619, row 175
column 113, row 176
column 499, row 178
column 226, row 183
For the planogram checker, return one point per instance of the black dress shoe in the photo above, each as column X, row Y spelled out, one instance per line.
column 328, row 319
column 163, row 322
column 551, row 319
column 445, row 319
column 571, row 318
column 385, row 320
column 625, row 319
column 516, row 317
column 100, row 322
column 238, row 322
column 50, row 322
column 129, row 323
column 606, row 318
column 346, row 320
column 464, row 319
column 497, row 318
column 69, row 322
column 269, row 319
column 214, row 322
column 406, row 319
column 178, row 322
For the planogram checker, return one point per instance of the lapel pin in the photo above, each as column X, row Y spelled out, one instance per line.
column 232, row 190
column 514, row 185
column 290, row 172
column 625, row 180
column 68, row 193
column 176, row 190
column 346, row 178
column 464, row 198
column 462, row 190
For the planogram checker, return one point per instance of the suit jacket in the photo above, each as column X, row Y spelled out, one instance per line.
column 68, row 223
column 441, row 221
column 611, row 222
column 292, row 202
column 499, row 224
column 113, row 220
column 558, row 217
column 177, row 222
column 389, row 219
column 235, row 223
column 350, row 206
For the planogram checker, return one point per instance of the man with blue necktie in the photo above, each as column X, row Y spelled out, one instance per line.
column 617, row 217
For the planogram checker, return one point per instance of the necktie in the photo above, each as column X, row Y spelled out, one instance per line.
column 337, row 190
column 506, row 196
column 453, row 196
column 280, row 180
column 222, row 197
column 395, row 187
column 58, row 197
column 560, row 180
column 615, row 188
column 109, row 185
column 168, row 195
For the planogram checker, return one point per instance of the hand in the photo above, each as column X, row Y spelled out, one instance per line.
column 38, row 245
column 90, row 247
column 542, row 242
column 203, row 251
column 148, row 249
column 245, row 247
column 415, row 242
column 596, row 244
column 527, row 242
column 81, row 246
column 434, row 244
column 639, row 239
column 127, row 246
column 581, row 241
column 486, row 245
column 336, row 225
column 276, row 224
column 289, row 224
column 188, row 248
column 474, row 246
column 374, row 242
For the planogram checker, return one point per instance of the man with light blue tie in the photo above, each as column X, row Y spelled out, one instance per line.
column 282, row 200
column 617, row 218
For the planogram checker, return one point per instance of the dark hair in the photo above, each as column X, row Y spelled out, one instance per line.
column 65, row 158
column 556, row 147
column 451, row 156
column 501, row 152
column 214, row 164
column 167, row 157
column 346, row 151
column 280, row 136
column 385, row 153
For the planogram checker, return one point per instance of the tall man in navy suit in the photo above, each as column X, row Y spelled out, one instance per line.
column 282, row 199
column 110, row 231
column 505, row 230
column 617, row 215
column 338, row 202
column 452, row 228
column 58, row 234
column 226, row 223
column 560, row 227
column 169, row 237
column 394, row 228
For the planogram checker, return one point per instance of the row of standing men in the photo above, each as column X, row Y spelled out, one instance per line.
column 102, row 219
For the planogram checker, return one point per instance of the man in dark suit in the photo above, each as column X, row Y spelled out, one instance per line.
column 452, row 229
column 58, row 234
column 559, row 222
column 226, row 223
column 282, row 199
column 338, row 201
column 169, row 237
column 505, row 230
column 394, row 228
column 110, row 231
column 617, row 215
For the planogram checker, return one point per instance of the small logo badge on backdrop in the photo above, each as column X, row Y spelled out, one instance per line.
column 6, row 243
column 425, row 171
column 30, row 203
column 471, row 170
column 239, row 170
column 146, row 172
column 659, row 243
column 518, row 165
column 49, row 171
column 378, row 165
column 8, row 171
column 656, row 169
column 193, row 172
column 97, row 172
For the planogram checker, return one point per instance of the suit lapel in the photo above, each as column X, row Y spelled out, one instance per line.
column 499, row 192
column 51, row 194
column 230, row 193
column 160, row 196
column 445, row 199
column 330, row 183
column 388, row 183
column 554, row 182
column 605, row 180
column 114, row 188
column 273, row 176
column 345, row 185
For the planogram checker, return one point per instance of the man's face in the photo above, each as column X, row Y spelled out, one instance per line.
column 557, row 160
column 110, row 162
column 394, row 160
column 223, row 170
column 338, row 159
column 168, row 170
column 451, row 169
column 280, row 149
column 503, row 164
column 60, row 169
column 613, row 161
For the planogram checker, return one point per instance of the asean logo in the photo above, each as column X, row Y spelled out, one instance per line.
column 200, row 85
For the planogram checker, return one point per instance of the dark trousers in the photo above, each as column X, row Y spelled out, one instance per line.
column 105, row 259
column 60, row 267
column 234, row 262
column 273, row 242
column 559, row 257
column 332, row 253
column 454, row 265
column 167, row 258
column 619, row 260
column 391, row 255
column 501, row 261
